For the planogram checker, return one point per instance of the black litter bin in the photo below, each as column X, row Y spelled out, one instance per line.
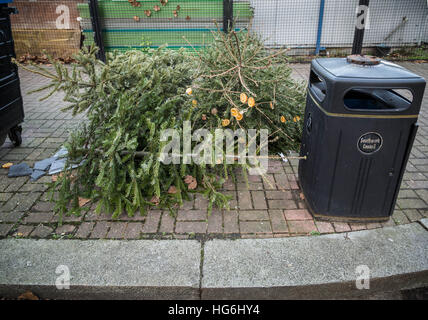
column 11, row 107
column 360, row 124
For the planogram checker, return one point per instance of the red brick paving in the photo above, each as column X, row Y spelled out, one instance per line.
column 269, row 182
column 282, row 181
column 299, row 214
column 244, row 200
column 324, row 227
column 279, row 224
column 167, row 223
column 282, row 204
column 189, row 215
column 12, row 216
column 133, row 230
column 279, row 195
column 5, row 228
column 65, row 229
column 253, row 215
column 358, row 226
column 281, row 235
column 191, row 227
column 215, row 222
column 200, row 202
column 41, row 231
column 341, row 227
column 117, row 230
column 230, row 219
column 374, row 225
column 276, row 211
column 23, row 231
column 302, row 226
column 100, row 230
column 39, row 217
column 84, row 230
column 152, row 221
column 255, row 227
column 259, row 199
column 43, row 206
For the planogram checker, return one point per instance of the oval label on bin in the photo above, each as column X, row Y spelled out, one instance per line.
column 370, row 142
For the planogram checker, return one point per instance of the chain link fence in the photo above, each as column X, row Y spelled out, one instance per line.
column 395, row 29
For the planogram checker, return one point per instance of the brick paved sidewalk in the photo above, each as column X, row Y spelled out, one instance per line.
column 267, row 209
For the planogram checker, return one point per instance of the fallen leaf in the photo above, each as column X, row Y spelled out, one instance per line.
column 83, row 201
column 172, row 190
column 164, row 2
column 7, row 165
column 148, row 13
column 188, row 179
column 178, row 8
column 302, row 196
column 155, row 200
column 175, row 13
column 136, row 18
column 55, row 177
column 192, row 185
column 156, row 8
column 188, row 18
column 28, row 296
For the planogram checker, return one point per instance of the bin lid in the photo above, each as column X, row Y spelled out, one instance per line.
column 352, row 67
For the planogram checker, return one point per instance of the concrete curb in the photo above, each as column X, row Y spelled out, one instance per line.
column 101, row 269
column 283, row 268
column 316, row 267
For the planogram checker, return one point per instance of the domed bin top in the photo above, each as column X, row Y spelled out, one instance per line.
column 343, row 68
column 365, row 85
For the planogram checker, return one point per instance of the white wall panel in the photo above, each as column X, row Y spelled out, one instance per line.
column 294, row 23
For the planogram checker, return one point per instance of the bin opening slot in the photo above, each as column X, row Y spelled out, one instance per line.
column 317, row 85
column 376, row 99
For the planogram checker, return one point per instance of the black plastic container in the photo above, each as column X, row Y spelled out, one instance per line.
column 11, row 106
column 360, row 124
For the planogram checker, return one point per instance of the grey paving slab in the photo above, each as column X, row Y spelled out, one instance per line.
column 102, row 269
column 44, row 164
column 37, row 174
column 315, row 267
column 19, row 170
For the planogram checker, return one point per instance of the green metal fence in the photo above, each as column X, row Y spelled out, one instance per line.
column 149, row 23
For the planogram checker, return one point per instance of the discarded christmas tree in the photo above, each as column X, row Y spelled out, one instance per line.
column 241, row 84
column 137, row 95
